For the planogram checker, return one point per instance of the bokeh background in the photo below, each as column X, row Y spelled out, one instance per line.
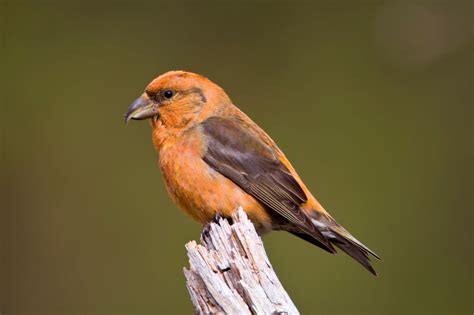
column 371, row 101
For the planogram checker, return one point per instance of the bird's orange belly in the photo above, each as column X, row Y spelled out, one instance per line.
column 201, row 191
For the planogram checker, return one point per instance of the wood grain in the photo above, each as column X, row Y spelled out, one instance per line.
column 230, row 272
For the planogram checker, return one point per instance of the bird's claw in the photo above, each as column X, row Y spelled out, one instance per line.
column 205, row 231
column 207, row 227
column 217, row 217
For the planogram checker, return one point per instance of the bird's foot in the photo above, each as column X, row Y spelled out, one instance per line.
column 207, row 227
column 205, row 231
column 215, row 219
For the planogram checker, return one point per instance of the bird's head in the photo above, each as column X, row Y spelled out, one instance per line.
column 178, row 99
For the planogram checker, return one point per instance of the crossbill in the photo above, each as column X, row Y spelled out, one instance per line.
column 214, row 158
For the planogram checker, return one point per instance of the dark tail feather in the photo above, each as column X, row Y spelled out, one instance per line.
column 353, row 249
column 312, row 240
column 339, row 237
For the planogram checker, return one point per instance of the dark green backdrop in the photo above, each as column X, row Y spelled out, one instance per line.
column 371, row 100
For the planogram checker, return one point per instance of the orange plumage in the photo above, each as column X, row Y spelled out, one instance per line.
column 213, row 158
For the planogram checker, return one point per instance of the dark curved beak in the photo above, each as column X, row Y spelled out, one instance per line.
column 141, row 108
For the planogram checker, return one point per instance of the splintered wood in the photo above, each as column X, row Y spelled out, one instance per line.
column 230, row 272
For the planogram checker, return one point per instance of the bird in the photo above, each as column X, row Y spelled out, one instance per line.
column 215, row 159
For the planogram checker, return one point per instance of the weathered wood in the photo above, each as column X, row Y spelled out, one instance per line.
column 230, row 272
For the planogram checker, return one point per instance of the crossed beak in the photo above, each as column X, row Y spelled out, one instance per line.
column 141, row 108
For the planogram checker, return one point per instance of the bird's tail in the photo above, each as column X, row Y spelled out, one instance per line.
column 341, row 238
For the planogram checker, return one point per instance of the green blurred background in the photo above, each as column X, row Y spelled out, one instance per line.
column 371, row 101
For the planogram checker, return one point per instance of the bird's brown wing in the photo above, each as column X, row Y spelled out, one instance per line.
column 241, row 156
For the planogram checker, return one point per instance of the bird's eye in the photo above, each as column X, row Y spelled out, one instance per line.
column 168, row 94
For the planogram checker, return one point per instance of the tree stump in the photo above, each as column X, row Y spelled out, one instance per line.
column 230, row 272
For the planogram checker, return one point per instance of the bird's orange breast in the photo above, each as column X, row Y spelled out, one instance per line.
column 197, row 188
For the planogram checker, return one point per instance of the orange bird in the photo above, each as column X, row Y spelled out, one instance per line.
column 214, row 158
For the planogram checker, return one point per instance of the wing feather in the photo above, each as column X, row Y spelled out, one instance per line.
column 241, row 156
